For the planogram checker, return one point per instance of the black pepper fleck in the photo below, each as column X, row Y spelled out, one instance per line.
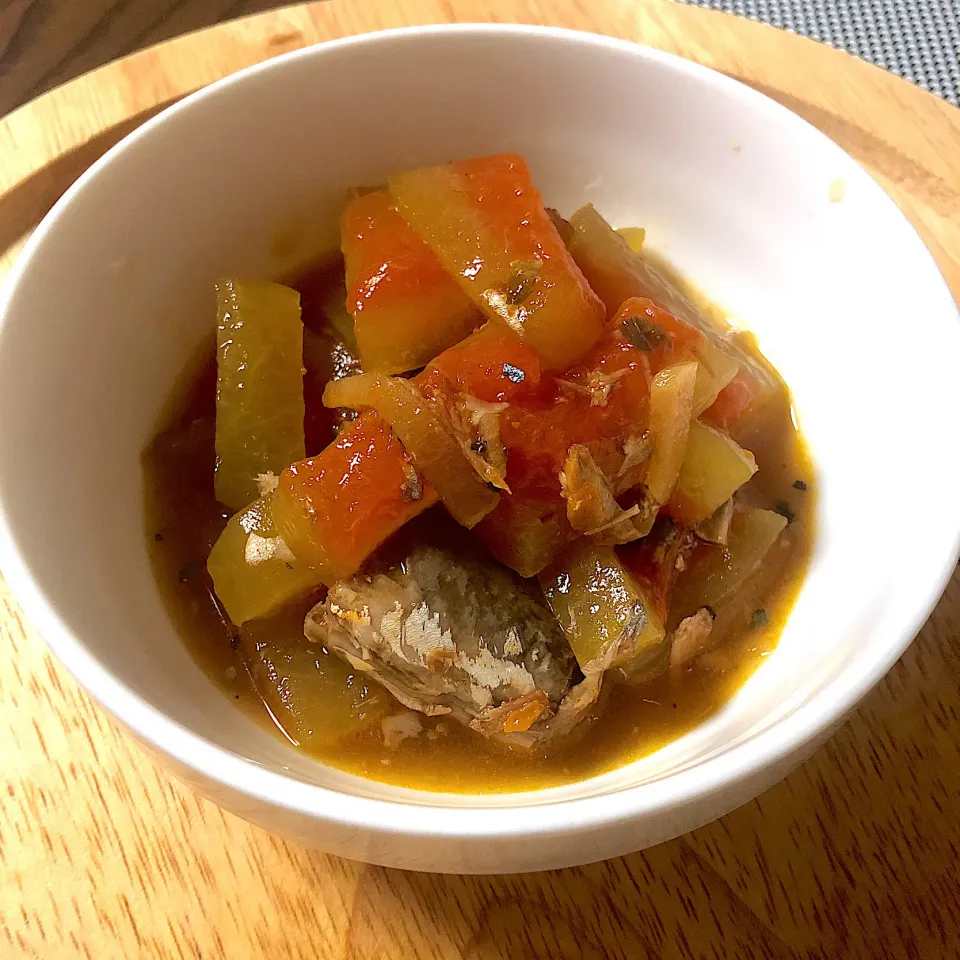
column 514, row 374
column 190, row 570
column 785, row 510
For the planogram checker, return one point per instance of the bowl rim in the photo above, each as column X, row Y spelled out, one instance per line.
column 784, row 739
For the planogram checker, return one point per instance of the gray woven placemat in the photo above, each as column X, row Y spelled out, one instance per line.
column 916, row 39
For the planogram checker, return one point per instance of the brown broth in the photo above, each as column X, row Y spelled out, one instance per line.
column 184, row 520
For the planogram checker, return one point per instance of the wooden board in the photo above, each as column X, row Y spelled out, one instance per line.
column 855, row 855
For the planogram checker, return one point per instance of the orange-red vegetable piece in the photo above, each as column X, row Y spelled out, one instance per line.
column 732, row 400
column 406, row 307
column 599, row 402
column 492, row 365
column 334, row 509
column 485, row 221
column 338, row 507
column 663, row 338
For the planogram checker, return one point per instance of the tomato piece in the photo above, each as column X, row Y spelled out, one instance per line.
column 424, row 427
column 485, row 221
column 492, row 365
column 406, row 307
column 614, row 389
column 336, row 508
column 599, row 402
column 618, row 273
column 660, row 336
column 732, row 400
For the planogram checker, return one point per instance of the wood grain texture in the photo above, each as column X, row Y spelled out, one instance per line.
column 44, row 43
column 855, row 855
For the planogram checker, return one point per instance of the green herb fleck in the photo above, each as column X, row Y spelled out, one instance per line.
column 644, row 334
column 784, row 509
column 190, row 570
column 799, row 485
column 759, row 619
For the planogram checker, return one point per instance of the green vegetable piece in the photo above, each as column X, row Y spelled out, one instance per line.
column 314, row 697
column 717, row 574
column 253, row 572
column 606, row 616
column 259, row 386
column 333, row 305
column 714, row 468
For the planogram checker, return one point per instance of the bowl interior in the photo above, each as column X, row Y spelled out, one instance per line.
column 114, row 296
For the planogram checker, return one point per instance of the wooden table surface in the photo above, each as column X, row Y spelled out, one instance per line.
column 855, row 855
column 44, row 43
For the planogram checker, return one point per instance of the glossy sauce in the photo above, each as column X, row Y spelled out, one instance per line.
column 184, row 520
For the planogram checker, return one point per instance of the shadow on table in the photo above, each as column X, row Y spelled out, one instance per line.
column 27, row 202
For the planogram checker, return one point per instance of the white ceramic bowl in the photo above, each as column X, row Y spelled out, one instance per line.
column 112, row 296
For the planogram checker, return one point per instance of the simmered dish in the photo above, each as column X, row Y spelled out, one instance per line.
column 490, row 502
